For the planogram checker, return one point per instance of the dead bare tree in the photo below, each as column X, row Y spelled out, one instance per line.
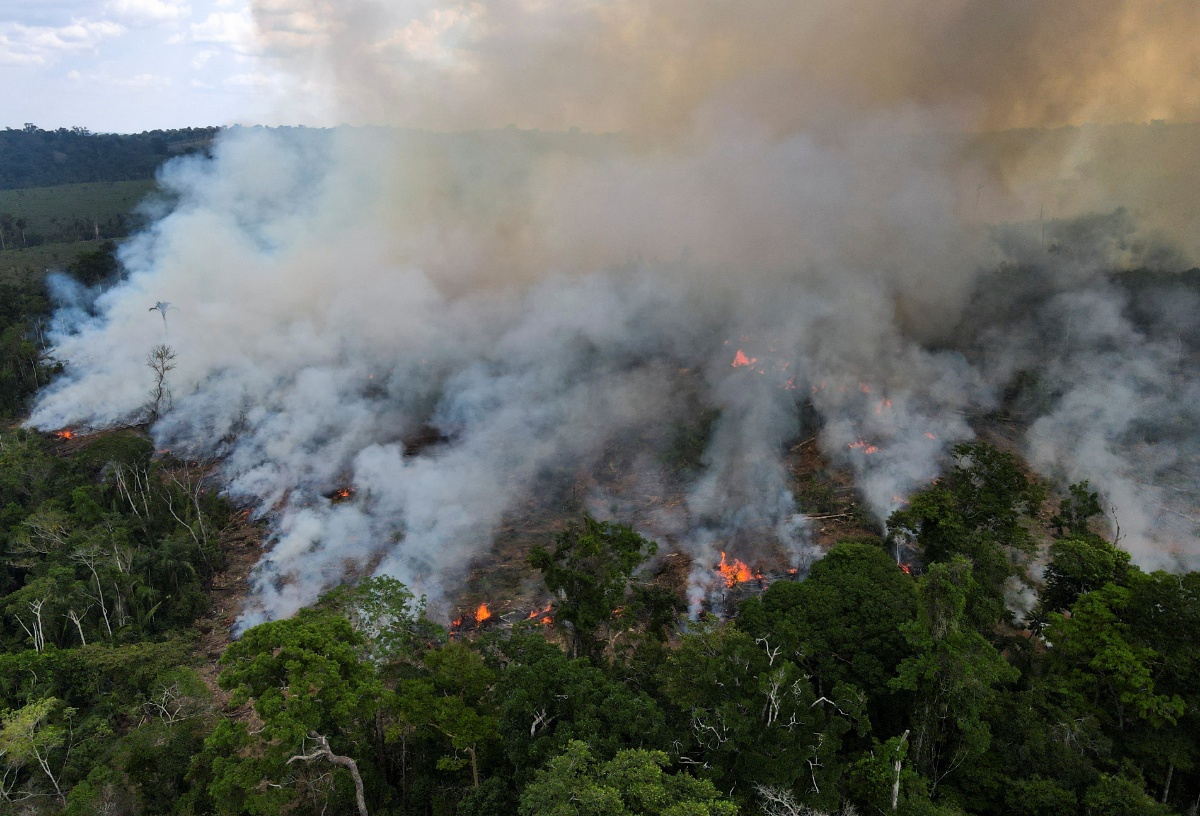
column 133, row 483
column 34, row 627
column 172, row 703
column 192, row 488
column 323, row 751
column 780, row 802
column 89, row 557
column 77, row 619
column 161, row 361
column 898, row 764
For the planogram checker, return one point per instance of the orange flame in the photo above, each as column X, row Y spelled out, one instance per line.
column 740, row 359
column 930, row 436
column 457, row 622
column 344, row 493
column 736, row 573
column 864, row 387
column 65, row 433
column 904, row 568
column 864, row 446
column 884, row 405
column 482, row 613
column 541, row 613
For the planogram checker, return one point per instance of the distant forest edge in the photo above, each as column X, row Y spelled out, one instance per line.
column 32, row 157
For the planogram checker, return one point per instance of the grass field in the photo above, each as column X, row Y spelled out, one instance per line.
column 58, row 215
column 25, row 264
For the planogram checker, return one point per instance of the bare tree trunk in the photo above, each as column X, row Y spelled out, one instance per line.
column 896, row 783
column 1167, row 786
column 325, row 752
column 73, row 616
column 39, row 636
column 88, row 559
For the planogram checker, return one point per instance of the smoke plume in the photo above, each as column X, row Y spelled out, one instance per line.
column 769, row 206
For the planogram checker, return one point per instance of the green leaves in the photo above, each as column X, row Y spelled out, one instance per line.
column 30, row 738
column 954, row 674
column 633, row 783
column 303, row 674
column 977, row 510
column 1104, row 661
column 843, row 622
column 388, row 617
column 1079, row 565
column 752, row 715
column 589, row 572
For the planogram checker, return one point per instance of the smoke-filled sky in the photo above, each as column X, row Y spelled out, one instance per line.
column 124, row 65
column 766, row 204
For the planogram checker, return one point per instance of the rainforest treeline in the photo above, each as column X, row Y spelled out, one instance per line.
column 34, row 157
column 958, row 685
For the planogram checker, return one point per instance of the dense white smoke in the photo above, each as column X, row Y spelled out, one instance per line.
column 447, row 322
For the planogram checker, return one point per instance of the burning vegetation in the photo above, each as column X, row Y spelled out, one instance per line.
column 735, row 572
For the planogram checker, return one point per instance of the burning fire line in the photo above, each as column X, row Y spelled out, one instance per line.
column 65, row 433
column 864, row 446
column 482, row 613
column 542, row 616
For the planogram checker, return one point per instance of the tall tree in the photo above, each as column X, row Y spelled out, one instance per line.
column 589, row 572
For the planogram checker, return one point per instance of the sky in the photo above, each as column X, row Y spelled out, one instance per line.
column 125, row 66
column 602, row 65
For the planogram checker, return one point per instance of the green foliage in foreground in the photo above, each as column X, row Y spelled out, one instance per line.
column 860, row 689
column 103, row 557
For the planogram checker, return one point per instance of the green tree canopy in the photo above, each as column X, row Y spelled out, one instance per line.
column 632, row 783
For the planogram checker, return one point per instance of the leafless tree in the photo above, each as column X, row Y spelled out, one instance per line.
column 90, row 557
column 77, row 619
column 323, row 751
column 161, row 361
column 781, row 802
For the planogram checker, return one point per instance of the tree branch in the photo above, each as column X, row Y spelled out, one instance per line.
column 323, row 751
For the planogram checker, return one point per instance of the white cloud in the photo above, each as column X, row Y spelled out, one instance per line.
column 255, row 79
column 148, row 12
column 144, row 81
column 231, row 29
column 38, row 45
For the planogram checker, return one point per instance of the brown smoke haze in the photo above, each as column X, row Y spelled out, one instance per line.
column 902, row 215
column 665, row 64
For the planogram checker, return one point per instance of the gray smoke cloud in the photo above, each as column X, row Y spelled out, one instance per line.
column 448, row 322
